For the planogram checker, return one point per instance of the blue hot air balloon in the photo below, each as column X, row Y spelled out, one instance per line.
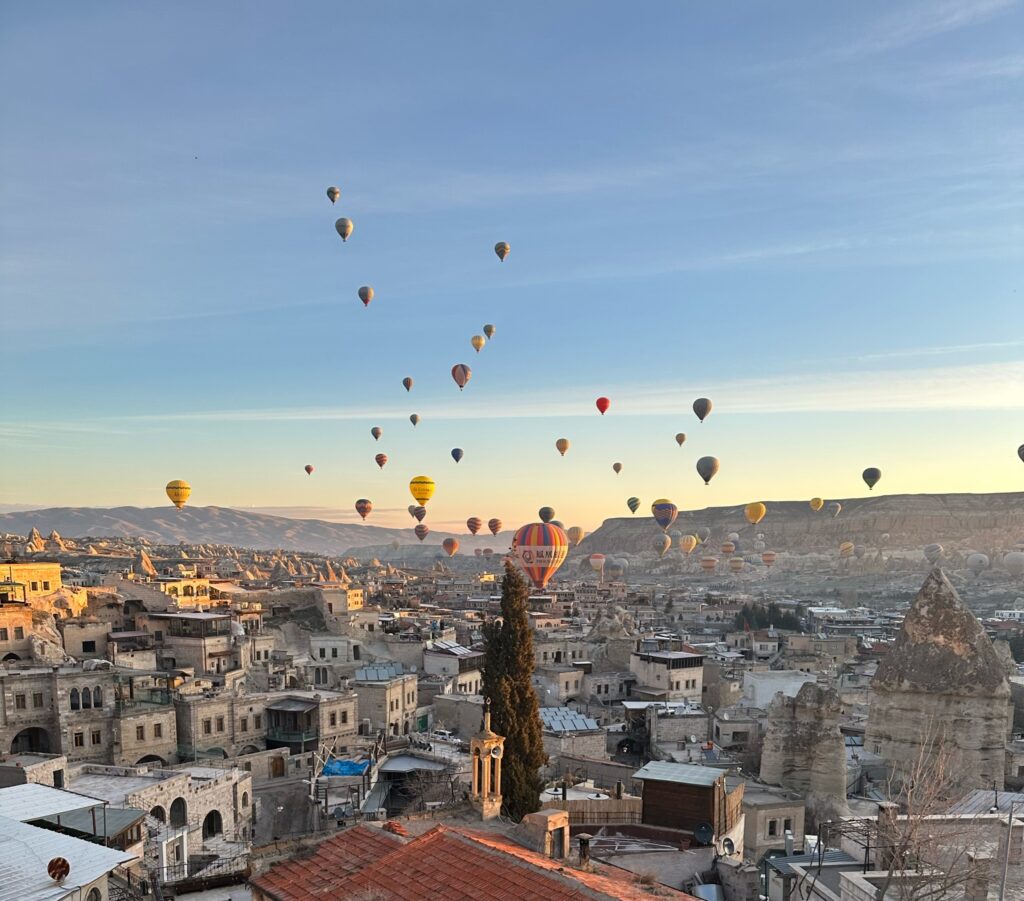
column 456, row 454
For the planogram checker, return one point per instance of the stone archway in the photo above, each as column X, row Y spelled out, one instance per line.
column 213, row 824
column 151, row 759
column 179, row 812
column 33, row 740
column 159, row 813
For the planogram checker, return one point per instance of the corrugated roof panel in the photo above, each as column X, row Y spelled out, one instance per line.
column 683, row 773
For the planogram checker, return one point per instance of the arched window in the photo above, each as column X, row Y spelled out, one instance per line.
column 86, row 699
column 159, row 813
column 94, row 895
column 76, row 701
column 245, row 799
column 213, row 824
column 179, row 812
column 97, row 697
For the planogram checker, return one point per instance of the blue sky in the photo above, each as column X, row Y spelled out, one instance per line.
column 809, row 212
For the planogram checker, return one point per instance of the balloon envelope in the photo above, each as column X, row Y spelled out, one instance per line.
column 502, row 249
column 708, row 564
column 633, row 503
column 178, row 491
column 489, row 331
column 414, row 419
column 707, row 467
column 687, row 544
column 768, row 558
column 546, row 514
column 363, row 507
column 461, row 373
column 333, row 193
column 562, row 445
column 541, row 549
column 755, row 513
column 457, row 454
column 1020, row 452
column 681, row 438
column 421, row 531
column 376, row 431
column 664, row 512
column 494, row 525
column 474, row 524
column 617, row 467
column 816, row 503
column 1014, row 563
column 661, row 544
column 407, row 383
column 309, row 469
column 703, row 533
column 846, row 549
column 450, row 545
column 702, row 407
column 477, row 342
column 344, row 228
column 602, row 404
column 597, row 562
column 381, row 460
column 419, row 513
column 575, row 535
column 412, row 509
column 871, row 476
column 977, row 563
column 422, row 489
column 835, row 508
column 366, row 295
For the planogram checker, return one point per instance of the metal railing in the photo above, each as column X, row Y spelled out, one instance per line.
column 292, row 737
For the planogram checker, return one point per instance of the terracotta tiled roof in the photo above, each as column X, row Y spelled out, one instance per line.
column 444, row 864
column 340, row 856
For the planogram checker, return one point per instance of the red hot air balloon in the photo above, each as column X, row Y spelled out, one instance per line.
column 462, row 374
column 541, row 549
column 421, row 531
column 309, row 469
column 603, row 404
column 381, row 460
column 451, row 546
column 494, row 525
column 363, row 507
column 474, row 524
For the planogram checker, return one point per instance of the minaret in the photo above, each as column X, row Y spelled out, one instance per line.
column 485, row 750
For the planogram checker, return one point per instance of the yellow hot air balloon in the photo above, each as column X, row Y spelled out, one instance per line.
column 846, row 549
column 816, row 503
column 755, row 512
column 422, row 489
column 688, row 543
column 562, row 445
column 178, row 491
column 478, row 341
column 576, row 535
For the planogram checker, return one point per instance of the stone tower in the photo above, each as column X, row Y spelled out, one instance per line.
column 941, row 681
column 485, row 750
column 803, row 747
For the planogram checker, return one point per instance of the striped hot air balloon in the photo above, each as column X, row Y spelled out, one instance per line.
column 422, row 531
column 541, row 549
column 474, row 524
column 494, row 525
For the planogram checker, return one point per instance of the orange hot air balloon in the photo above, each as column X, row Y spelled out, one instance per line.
column 494, row 525
column 736, row 564
column 474, row 523
column 576, row 535
column 562, row 445
column 728, row 548
column 309, row 469
column 688, row 544
column 450, row 545
column 768, row 558
column 461, row 373
column 541, row 549
column 422, row 531
column 381, row 460
column 363, row 507
column 602, row 404
column 708, row 564
column 755, row 513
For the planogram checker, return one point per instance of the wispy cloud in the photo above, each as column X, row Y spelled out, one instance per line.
column 922, row 22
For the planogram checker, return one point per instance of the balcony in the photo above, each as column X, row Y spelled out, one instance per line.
column 293, row 738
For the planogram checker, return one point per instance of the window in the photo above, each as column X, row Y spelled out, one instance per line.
column 257, row 721
column 88, row 647
column 79, row 739
column 4, row 635
column 19, row 702
column 46, row 586
column 97, row 698
column 35, row 586
column 334, row 652
column 158, row 635
column 243, row 724
column 773, row 827
column 37, row 699
column 207, row 727
column 334, row 719
column 344, row 717
column 787, row 824
column 140, row 733
column 158, row 730
column 76, row 699
column 245, row 799
column 86, row 699
column 19, row 633
column 323, row 653
column 220, row 724
column 97, row 737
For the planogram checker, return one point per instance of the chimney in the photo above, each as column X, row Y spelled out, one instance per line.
column 976, row 884
column 789, row 843
column 619, row 790
column 584, row 839
column 565, row 789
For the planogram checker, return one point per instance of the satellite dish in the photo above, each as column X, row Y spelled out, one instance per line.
column 693, row 739
column 704, row 833
column 728, row 846
column 58, row 869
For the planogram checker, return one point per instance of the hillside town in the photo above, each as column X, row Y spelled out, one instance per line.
column 187, row 719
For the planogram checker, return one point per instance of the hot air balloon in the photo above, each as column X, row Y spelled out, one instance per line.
column 859, row 550
column 846, row 549
column 755, row 513
column 932, row 552
column 562, row 445
column 702, row 407
column 478, row 341
column 541, row 549
column 474, row 524
column 736, row 564
column 680, row 438
column 381, row 460
column 617, row 467
column 664, row 512
column 816, row 503
column 661, row 544
column 178, row 492
column 734, row 537
column 488, row 552
column 457, row 454
column 450, row 545
column 575, row 535
column 706, row 468
column 614, row 569
column 494, row 525
column 703, row 534
column 633, row 503
column 687, row 544
column 422, row 531
column 597, row 562
column 728, row 548
column 333, row 193
column 546, row 514
column 883, row 538
column 1020, row 452
column 419, row 513
column 309, row 469
column 461, row 373
column 412, row 509
column 835, row 508
column 414, row 419
column 479, row 551
column 376, row 431
column 344, row 228
column 977, row 563
column 422, row 489
column 407, row 383
column 1014, row 563
column 602, row 404
column 396, row 544
column 363, row 507
column 768, row 558
column 489, row 331
column 502, row 249
column 871, row 476
column 366, row 295
column 708, row 564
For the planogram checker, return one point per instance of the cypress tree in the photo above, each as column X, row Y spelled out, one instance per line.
column 507, row 671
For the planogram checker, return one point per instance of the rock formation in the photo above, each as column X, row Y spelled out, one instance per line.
column 942, row 685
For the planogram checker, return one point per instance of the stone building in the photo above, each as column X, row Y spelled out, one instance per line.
column 387, row 698
column 28, row 581
column 942, row 683
column 15, row 632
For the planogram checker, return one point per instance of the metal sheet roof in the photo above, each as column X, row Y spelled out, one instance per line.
column 25, row 851
column 381, row 672
column 407, row 763
column 562, row 719
column 299, row 705
column 33, row 802
column 109, row 823
column 683, row 773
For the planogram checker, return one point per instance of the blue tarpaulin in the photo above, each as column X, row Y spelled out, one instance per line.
column 345, row 767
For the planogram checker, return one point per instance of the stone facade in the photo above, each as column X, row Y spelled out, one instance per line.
column 942, row 682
